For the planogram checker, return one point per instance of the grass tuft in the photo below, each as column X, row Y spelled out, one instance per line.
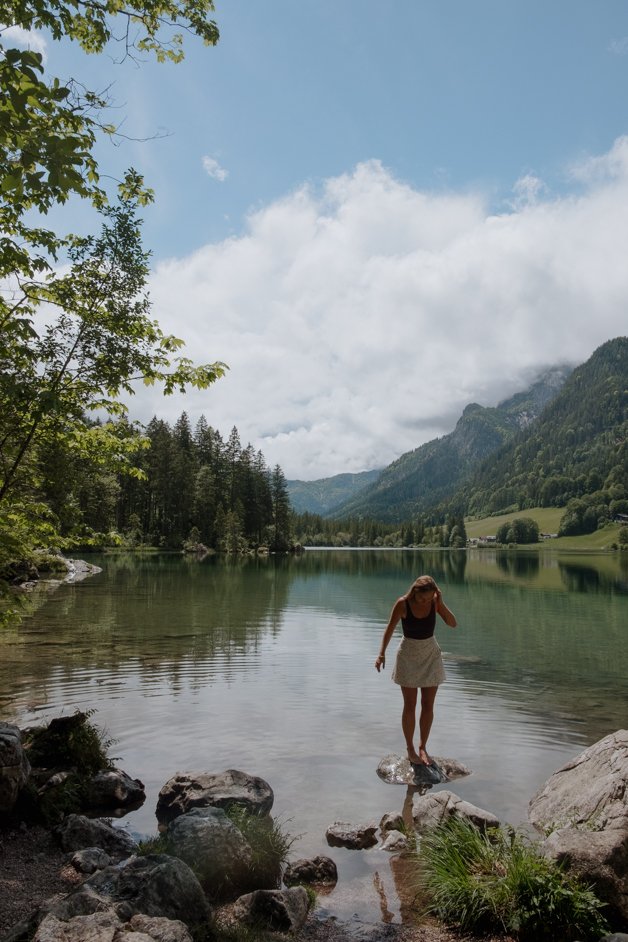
column 269, row 842
column 498, row 882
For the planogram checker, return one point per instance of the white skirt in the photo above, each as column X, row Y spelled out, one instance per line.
column 419, row 663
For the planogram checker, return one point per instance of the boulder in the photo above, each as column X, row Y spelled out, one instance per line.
column 155, row 885
column 590, row 792
column 204, row 790
column 319, row 871
column 341, row 834
column 398, row 770
column 113, row 788
column 107, row 927
column 76, row 832
column 274, row 910
column 599, row 858
column 159, row 928
column 584, row 806
column 207, row 840
column 14, row 766
column 431, row 810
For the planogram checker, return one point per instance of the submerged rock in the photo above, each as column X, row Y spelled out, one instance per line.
column 319, row 871
column 398, row 770
column 341, row 834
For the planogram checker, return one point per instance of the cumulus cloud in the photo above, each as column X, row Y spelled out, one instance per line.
column 27, row 38
column 214, row 170
column 360, row 318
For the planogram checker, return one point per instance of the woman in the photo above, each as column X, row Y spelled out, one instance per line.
column 419, row 662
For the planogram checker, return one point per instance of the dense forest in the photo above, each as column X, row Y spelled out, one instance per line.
column 184, row 487
column 574, row 456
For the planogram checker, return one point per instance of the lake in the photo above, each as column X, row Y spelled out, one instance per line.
column 266, row 665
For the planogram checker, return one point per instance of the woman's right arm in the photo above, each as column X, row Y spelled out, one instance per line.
column 395, row 615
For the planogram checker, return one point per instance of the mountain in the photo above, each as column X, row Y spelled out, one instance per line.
column 577, row 448
column 320, row 497
column 422, row 479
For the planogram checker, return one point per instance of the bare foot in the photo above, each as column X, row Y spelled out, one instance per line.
column 413, row 757
column 423, row 756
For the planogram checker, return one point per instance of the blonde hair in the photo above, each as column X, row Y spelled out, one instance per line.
column 423, row 582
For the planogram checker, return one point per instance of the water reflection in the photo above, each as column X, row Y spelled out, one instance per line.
column 267, row 665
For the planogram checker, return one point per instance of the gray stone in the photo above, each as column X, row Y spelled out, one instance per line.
column 159, row 928
column 14, row 766
column 206, row 839
column 98, row 927
column 105, row 926
column 395, row 841
column 392, row 821
column 341, row 834
column 274, row 910
column 591, row 791
column 203, row 790
column 90, row 859
column 398, row 770
column 76, row 832
column 113, row 788
column 431, row 810
column 155, row 885
column 599, row 858
column 318, row 871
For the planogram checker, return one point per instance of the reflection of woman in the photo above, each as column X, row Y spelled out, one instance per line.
column 419, row 663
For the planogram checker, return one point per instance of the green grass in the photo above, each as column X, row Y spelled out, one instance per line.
column 548, row 519
column 497, row 882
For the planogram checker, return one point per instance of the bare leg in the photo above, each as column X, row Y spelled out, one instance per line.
column 408, row 720
column 428, row 695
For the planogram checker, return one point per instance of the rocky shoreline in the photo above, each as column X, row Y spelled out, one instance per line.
column 82, row 877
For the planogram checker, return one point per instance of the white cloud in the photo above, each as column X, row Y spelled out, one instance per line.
column 28, row 38
column 214, row 170
column 359, row 320
column 619, row 47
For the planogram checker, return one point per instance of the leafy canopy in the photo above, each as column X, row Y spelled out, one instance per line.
column 74, row 338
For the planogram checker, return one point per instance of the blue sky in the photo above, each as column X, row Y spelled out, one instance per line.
column 377, row 213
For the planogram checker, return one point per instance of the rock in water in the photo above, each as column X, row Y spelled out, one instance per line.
column 398, row 770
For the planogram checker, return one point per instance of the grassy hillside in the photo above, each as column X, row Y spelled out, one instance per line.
column 548, row 519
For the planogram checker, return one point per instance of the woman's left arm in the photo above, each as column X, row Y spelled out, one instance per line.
column 445, row 613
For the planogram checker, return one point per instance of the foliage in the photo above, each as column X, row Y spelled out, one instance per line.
column 159, row 844
column 497, row 882
column 69, row 742
column 73, row 338
column 519, row 530
column 576, row 450
column 193, row 487
column 269, row 842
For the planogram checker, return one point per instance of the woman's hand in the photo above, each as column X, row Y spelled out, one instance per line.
column 380, row 661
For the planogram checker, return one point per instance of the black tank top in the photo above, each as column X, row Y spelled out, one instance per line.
column 418, row 628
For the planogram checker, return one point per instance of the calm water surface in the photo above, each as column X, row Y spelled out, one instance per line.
column 267, row 666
